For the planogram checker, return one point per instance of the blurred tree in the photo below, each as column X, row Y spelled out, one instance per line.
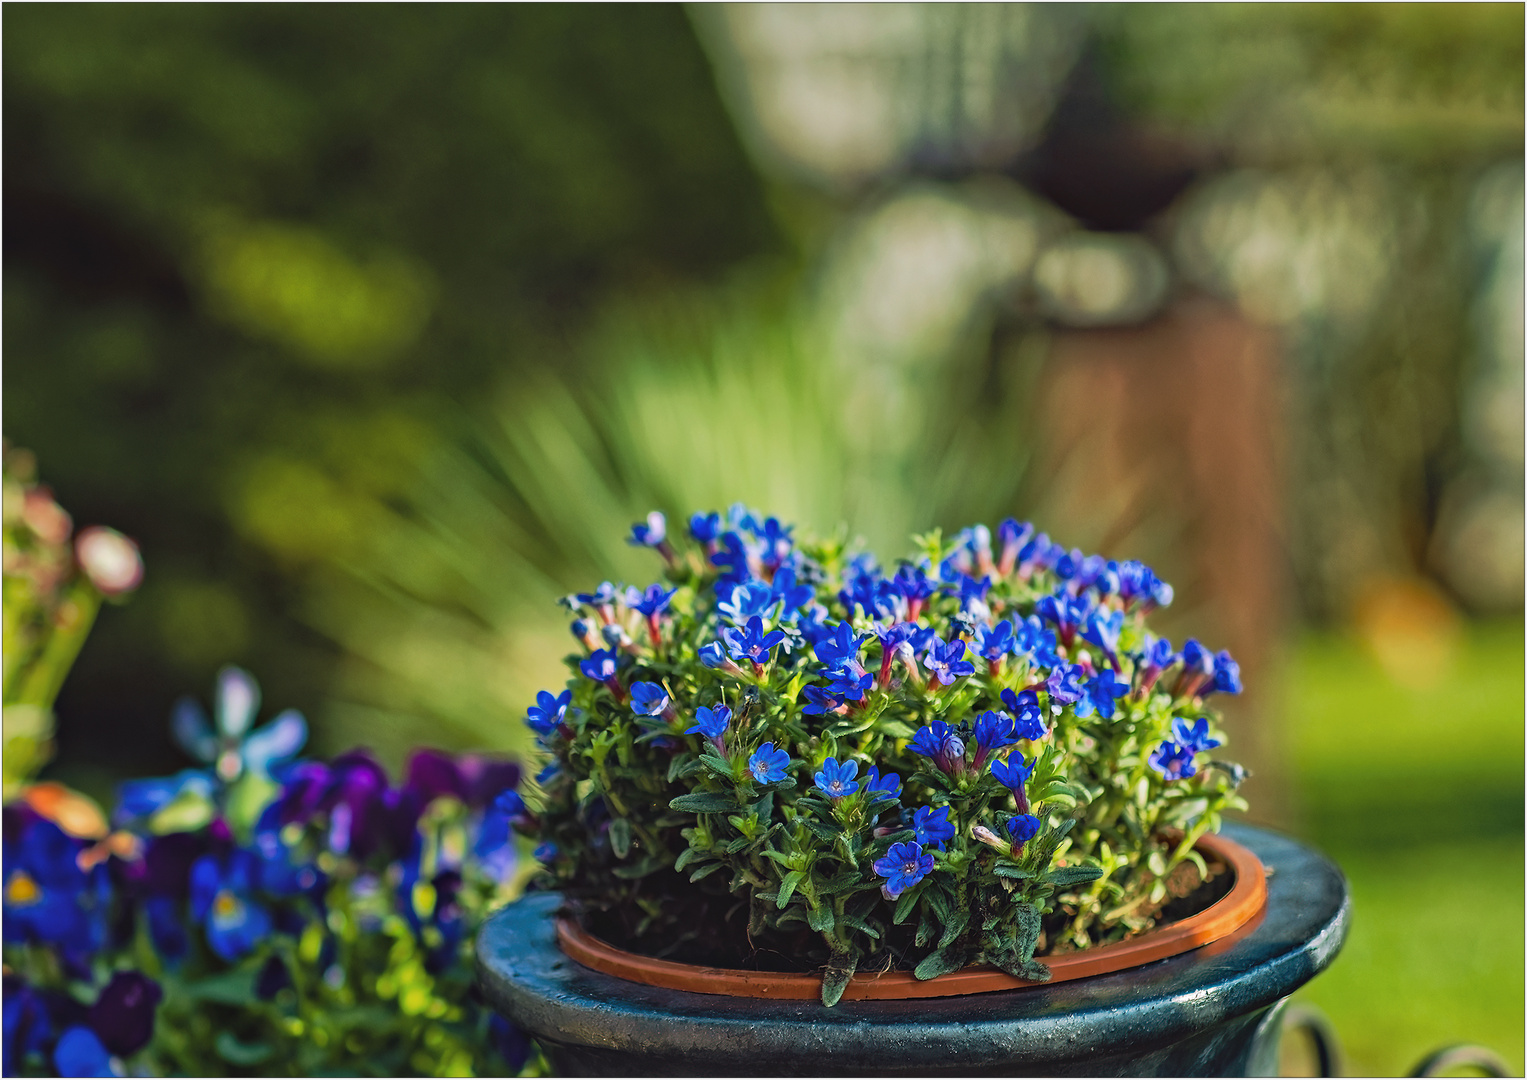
column 251, row 250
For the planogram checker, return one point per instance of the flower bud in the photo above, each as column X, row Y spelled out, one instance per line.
column 989, row 838
column 109, row 559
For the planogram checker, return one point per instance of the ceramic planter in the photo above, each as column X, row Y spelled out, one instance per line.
column 1211, row 1010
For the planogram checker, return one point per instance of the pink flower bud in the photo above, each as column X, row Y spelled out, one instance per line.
column 45, row 517
column 109, row 559
column 989, row 838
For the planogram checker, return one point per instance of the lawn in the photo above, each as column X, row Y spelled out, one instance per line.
column 1417, row 792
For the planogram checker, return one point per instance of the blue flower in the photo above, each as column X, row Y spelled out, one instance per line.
column 651, row 603
column 750, row 642
column 1028, row 720
column 648, row 699
column 768, row 764
column 836, row 778
column 123, row 1014
column 1173, row 762
column 749, row 599
column 1195, row 737
column 604, row 596
column 651, row 534
column 545, row 853
column 878, row 786
column 1013, row 535
column 1227, row 674
column 938, row 741
column 1196, row 658
column 1103, row 629
column 222, row 900
column 548, row 713
column 1022, row 827
column 841, row 648
column 849, row 686
column 705, row 528
column 788, row 593
column 599, row 665
column 1159, row 655
column 80, row 1053
column 1102, row 689
column 903, row 866
column 712, row 656
column 48, row 898
column 944, row 662
column 710, row 722
column 229, row 749
column 1065, row 685
column 1037, row 642
column 139, row 800
column 995, row 642
column 820, row 701
column 994, row 730
column 1014, row 772
column 933, row 826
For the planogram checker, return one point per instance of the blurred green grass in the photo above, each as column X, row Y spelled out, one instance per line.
column 1418, row 794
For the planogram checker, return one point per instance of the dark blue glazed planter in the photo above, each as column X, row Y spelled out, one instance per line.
column 1214, row 1011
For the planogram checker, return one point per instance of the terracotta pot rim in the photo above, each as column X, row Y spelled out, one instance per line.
column 1221, row 919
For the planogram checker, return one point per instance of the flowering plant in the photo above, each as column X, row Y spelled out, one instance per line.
column 786, row 754
column 262, row 912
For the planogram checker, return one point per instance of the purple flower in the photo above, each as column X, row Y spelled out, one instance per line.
column 1028, row 717
column 938, row 741
column 836, row 778
column 1173, row 762
column 903, row 866
column 710, row 722
column 231, row 747
column 1013, row 535
column 123, row 1015
column 750, row 642
column 1022, row 828
column 1102, row 689
column 1065, row 685
column 768, row 764
column 652, row 533
column 548, row 713
column 1193, row 737
column 933, row 826
column 473, row 778
column 944, row 662
column 648, row 699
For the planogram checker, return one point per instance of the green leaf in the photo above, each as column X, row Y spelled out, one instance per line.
column 858, row 924
column 819, row 918
column 707, row 869
column 737, row 845
column 229, row 988
column 839, row 970
column 620, row 837
column 847, row 879
column 1017, row 872
column 954, row 928
column 787, row 888
column 650, row 865
column 681, row 766
column 825, row 833
column 1028, row 931
column 238, row 1053
column 687, row 856
column 706, row 802
column 940, row 963
column 1065, row 876
column 904, row 905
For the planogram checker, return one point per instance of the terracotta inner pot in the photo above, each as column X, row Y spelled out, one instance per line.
column 1231, row 913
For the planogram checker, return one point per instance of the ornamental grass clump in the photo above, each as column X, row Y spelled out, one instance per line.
column 786, row 757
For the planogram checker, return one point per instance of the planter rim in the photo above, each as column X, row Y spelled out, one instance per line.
column 1221, row 919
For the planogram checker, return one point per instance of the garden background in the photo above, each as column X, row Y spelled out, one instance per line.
column 377, row 326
